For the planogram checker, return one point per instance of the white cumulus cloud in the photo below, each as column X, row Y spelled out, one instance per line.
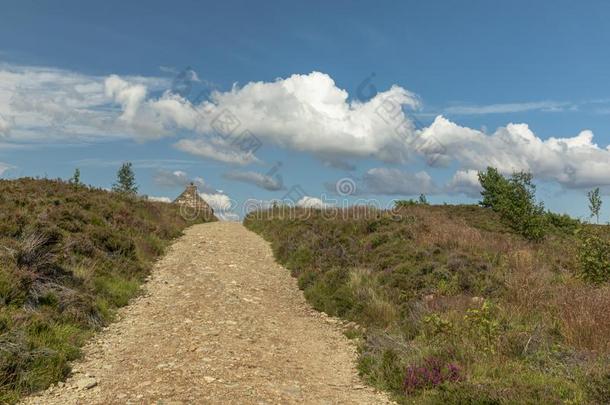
column 465, row 182
column 222, row 205
column 303, row 112
column 307, row 113
column 310, row 113
column 312, row 202
column 574, row 162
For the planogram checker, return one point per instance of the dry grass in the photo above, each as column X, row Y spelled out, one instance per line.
column 528, row 279
column 583, row 312
column 377, row 308
column 442, row 231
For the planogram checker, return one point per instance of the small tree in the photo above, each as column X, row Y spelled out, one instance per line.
column 495, row 188
column 76, row 177
column 423, row 200
column 514, row 198
column 126, row 180
column 595, row 203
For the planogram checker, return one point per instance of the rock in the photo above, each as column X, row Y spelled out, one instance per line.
column 209, row 379
column 86, row 383
column 478, row 300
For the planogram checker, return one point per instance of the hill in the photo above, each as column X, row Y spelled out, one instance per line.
column 69, row 257
column 450, row 304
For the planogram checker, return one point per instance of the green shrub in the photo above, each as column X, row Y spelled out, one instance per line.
column 329, row 293
column 117, row 290
column 405, row 203
column 563, row 222
column 484, row 326
column 435, row 326
column 594, row 257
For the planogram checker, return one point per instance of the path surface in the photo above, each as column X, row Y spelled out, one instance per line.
column 220, row 323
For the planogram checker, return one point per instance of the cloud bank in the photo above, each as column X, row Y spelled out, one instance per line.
column 575, row 162
column 47, row 104
column 303, row 112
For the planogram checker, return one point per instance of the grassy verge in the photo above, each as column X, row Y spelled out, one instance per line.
column 69, row 257
column 457, row 307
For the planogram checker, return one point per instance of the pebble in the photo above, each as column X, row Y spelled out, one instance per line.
column 86, row 383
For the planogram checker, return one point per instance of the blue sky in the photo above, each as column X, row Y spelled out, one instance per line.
column 92, row 86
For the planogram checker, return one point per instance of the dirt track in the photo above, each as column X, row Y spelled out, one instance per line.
column 220, row 323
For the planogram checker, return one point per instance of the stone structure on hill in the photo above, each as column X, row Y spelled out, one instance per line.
column 192, row 205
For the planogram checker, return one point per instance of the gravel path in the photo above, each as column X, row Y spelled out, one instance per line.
column 220, row 323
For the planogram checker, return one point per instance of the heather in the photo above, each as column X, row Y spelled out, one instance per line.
column 459, row 304
column 70, row 255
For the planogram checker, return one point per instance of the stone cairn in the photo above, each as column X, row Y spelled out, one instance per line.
column 192, row 206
